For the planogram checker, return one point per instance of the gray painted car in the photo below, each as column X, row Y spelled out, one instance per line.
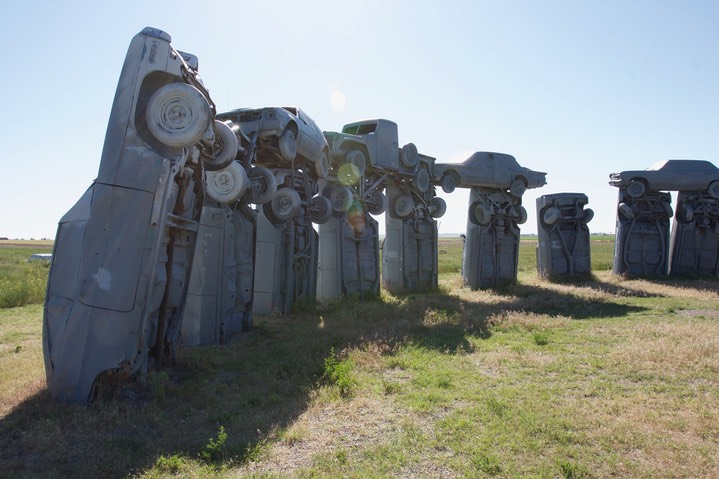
column 366, row 156
column 122, row 253
column 670, row 175
column 488, row 170
column 283, row 135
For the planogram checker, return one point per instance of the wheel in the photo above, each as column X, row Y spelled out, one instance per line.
column 322, row 167
column 177, row 114
column 377, row 203
column 480, row 213
column 522, row 215
column 402, row 206
column 409, row 155
column 225, row 147
column 626, row 211
column 636, row 188
column 685, row 213
column 228, row 184
column 448, row 182
column 517, row 188
column 668, row 209
column 438, row 207
column 286, row 204
column 713, row 189
column 320, row 209
column 551, row 215
column 422, row 180
column 587, row 215
column 288, row 145
column 358, row 159
column 263, row 185
column 340, row 197
column 269, row 215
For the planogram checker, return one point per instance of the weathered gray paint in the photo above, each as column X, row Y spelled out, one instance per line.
column 348, row 256
column 286, row 259
column 409, row 253
column 122, row 253
column 219, row 295
column 641, row 244
column 491, row 250
column 694, row 243
column 563, row 235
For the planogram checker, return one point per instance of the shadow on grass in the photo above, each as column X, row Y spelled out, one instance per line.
column 594, row 282
column 253, row 387
column 687, row 281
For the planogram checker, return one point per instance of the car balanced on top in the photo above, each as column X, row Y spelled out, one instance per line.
column 366, row 155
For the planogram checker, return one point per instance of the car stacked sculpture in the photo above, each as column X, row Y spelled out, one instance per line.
column 163, row 246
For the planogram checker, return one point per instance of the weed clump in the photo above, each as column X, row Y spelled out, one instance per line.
column 339, row 373
column 214, row 449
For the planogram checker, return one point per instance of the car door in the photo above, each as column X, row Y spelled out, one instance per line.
column 309, row 137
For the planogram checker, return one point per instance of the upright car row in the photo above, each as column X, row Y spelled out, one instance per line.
column 199, row 219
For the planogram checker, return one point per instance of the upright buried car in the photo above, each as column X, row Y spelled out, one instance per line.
column 122, row 253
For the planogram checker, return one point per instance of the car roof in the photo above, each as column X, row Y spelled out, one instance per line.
column 695, row 165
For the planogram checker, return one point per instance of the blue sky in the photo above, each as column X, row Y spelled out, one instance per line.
column 577, row 89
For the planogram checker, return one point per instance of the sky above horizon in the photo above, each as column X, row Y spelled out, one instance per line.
column 577, row 89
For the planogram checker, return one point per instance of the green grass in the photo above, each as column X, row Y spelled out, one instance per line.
column 22, row 282
column 607, row 377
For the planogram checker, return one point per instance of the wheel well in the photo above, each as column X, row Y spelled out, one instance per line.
column 522, row 179
column 452, row 173
column 351, row 145
column 292, row 126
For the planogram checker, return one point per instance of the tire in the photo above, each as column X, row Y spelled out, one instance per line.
column 448, row 182
column 178, row 115
column 480, row 213
column 225, row 147
column 713, row 189
column 402, row 206
column 636, row 188
column 247, row 321
column 357, row 158
column 288, row 145
column 588, row 215
column 263, row 185
column 227, row 185
column 522, row 215
column 517, row 188
column 685, row 213
column 340, row 197
column 322, row 167
column 409, row 155
column 286, row 204
column 377, row 203
column 320, row 209
column 551, row 215
column 668, row 209
column 438, row 207
column 626, row 211
column 269, row 215
column 422, row 180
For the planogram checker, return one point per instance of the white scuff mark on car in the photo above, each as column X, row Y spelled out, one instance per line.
column 103, row 278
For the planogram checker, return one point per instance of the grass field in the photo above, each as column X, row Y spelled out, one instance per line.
column 608, row 377
column 22, row 282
